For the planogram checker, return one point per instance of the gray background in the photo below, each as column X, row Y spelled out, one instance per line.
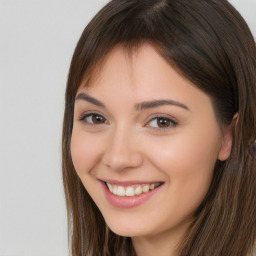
column 37, row 39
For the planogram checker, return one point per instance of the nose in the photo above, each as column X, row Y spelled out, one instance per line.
column 122, row 151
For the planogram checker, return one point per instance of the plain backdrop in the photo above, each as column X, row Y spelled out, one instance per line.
column 37, row 39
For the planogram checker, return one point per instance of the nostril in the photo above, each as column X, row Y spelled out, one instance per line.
column 119, row 161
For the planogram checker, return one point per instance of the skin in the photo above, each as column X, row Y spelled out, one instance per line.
column 128, row 144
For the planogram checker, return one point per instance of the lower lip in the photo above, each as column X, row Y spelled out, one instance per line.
column 128, row 201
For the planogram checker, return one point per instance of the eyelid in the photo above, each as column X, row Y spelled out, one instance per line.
column 159, row 115
column 90, row 112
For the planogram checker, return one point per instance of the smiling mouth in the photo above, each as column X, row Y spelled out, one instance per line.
column 134, row 190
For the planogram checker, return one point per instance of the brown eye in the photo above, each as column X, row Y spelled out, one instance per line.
column 94, row 119
column 162, row 122
column 97, row 119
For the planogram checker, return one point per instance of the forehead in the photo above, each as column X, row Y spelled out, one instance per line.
column 142, row 72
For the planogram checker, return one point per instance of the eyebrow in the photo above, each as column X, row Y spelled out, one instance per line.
column 86, row 97
column 158, row 103
column 139, row 106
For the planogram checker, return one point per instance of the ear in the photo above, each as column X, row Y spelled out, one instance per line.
column 227, row 139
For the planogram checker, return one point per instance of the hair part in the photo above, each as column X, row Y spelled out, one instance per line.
column 209, row 43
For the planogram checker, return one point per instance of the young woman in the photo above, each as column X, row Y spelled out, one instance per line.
column 159, row 131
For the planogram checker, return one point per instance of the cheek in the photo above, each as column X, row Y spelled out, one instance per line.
column 188, row 163
column 84, row 151
column 187, row 153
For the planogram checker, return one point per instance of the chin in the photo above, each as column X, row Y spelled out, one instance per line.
column 128, row 229
column 131, row 232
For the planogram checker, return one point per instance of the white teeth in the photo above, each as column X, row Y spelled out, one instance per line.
column 114, row 189
column 131, row 190
column 152, row 186
column 138, row 190
column 120, row 191
column 145, row 188
column 110, row 187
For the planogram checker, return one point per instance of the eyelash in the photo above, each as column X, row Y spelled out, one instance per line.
column 170, row 122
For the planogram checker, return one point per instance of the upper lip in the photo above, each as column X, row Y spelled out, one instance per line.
column 130, row 182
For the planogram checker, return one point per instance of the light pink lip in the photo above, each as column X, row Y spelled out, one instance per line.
column 128, row 202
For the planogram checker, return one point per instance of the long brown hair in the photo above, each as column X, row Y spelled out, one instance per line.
column 210, row 44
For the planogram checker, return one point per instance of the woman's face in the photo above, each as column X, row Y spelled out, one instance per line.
column 150, row 135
